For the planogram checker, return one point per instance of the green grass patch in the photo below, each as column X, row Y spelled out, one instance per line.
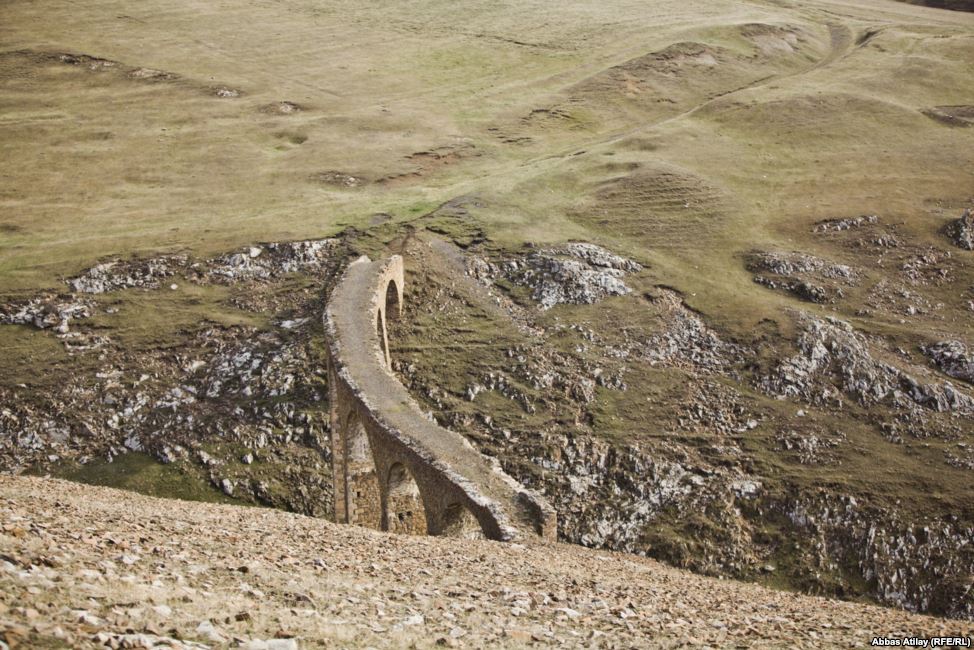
column 139, row 472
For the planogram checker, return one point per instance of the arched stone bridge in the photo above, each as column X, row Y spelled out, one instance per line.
column 395, row 469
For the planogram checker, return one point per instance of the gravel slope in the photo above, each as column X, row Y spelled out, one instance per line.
column 82, row 566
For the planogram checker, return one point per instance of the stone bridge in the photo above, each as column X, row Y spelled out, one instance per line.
column 394, row 468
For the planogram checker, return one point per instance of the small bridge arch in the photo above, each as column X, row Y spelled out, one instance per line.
column 388, row 311
column 394, row 469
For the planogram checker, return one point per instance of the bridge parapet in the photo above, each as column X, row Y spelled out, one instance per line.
column 394, row 468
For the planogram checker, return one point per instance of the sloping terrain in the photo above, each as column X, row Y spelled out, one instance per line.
column 701, row 272
column 90, row 567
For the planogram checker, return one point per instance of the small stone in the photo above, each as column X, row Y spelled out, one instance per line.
column 207, row 630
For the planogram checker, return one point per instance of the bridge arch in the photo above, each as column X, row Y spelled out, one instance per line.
column 393, row 302
column 458, row 521
column 403, row 511
column 389, row 311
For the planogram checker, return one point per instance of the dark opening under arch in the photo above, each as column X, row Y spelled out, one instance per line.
column 404, row 511
column 393, row 304
column 458, row 521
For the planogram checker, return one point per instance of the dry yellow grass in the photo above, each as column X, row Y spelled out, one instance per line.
column 794, row 120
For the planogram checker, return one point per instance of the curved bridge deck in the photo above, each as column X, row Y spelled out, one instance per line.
column 395, row 469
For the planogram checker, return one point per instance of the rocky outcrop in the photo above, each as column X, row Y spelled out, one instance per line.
column 961, row 231
column 953, row 358
column 804, row 276
column 254, row 263
column 685, row 340
column 262, row 263
column 614, row 496
column 576, row 273
column 834, row 359
column 115, row 275
column 46, row 312
column 838, row 225
column 271, row 260
column 916, row 566
column 214, row 395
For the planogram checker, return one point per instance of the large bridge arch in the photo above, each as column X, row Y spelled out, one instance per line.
column 428, row 479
